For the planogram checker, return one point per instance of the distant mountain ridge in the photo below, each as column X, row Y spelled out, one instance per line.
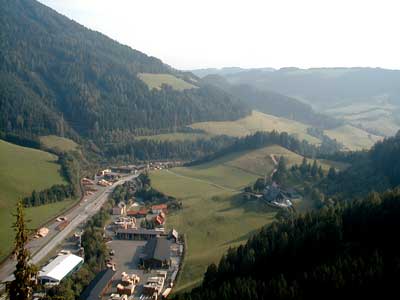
column 368, row 98
column 58, row 77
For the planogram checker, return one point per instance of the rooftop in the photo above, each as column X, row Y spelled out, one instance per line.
column 158, row 248
column 159, row 206
column 96, row 287
column 60, row 267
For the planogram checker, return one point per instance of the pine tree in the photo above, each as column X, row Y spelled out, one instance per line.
column 314, row 169
column 332, row 173
column 25, row 272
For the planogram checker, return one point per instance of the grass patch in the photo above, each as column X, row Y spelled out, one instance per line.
column 155, row 81
column 22, row 171
column 58, row 143
column 257, row 121
column 353, row 138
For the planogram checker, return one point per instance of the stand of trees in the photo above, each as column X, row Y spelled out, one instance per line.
column 341, row 251
column 146, row 149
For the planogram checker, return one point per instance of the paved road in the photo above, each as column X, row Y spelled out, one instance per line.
column 78, row 215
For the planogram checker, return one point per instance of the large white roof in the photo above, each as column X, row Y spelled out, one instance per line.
column 61, row 266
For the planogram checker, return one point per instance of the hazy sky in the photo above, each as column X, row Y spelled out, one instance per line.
column 272, row 33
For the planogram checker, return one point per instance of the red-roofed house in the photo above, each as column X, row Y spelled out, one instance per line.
column 161, row 208
column 160, row 220
column 137, row 213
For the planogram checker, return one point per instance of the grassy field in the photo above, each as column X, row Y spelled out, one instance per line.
column 257, row 121
column 353, row 138
column 177, row 136
column 58, row 143
column 378, row 115
column 23, row 170
column 155, row 81
column 214, row 217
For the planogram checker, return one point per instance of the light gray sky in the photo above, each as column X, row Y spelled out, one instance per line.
column 188, row 34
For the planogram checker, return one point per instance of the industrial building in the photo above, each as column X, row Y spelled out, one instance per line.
column 59, row 268
column 99, row 285
column 137, row 233
column 158, row 253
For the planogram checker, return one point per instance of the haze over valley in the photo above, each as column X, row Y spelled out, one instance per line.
column 136, row 165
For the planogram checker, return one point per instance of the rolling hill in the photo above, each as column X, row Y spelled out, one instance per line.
column 22, row 171
column 273, row 103
column 351, row 137
column 79, row 82
column 355, row 95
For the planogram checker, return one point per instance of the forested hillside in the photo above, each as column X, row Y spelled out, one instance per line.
column 374, row 170
column 340, row 252
column 58, row 77
column 273, row 103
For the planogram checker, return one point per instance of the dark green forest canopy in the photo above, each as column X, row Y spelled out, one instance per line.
column 58, row 77
column 375, row 170
column 347, row 250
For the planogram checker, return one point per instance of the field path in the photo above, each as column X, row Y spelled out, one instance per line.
column 273, row 158
column 204, row 181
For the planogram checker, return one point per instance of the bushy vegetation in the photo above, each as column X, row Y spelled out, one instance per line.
column 338, row 252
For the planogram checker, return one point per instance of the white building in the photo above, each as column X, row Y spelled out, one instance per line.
column 59, row 268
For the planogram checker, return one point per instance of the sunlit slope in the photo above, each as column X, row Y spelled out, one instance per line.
column 22, row 171
column 257, row 121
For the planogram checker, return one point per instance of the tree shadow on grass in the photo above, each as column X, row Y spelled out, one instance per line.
column 243, row 238
column 249, row 205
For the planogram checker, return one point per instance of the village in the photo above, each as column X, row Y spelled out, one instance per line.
column 144, row 256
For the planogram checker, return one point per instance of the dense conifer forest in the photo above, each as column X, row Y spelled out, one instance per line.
column 341, row 251
column 58, row 77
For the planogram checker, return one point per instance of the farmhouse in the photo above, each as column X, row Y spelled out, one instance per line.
column 160, row 219
column 275, row 195
column 157, row 209
column 59, row 268
column 158, row 253
column 137, row 213
column 137, row 233
column 120, row 209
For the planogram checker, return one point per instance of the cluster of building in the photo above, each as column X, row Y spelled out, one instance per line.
column 277, row 196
